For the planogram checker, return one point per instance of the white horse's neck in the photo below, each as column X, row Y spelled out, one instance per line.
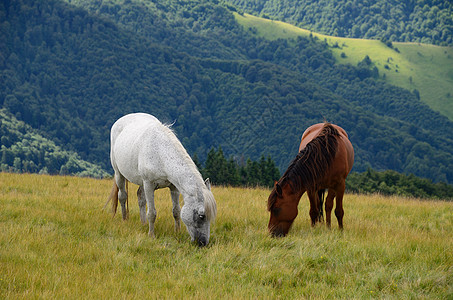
column 183, row 173
column 188, row 180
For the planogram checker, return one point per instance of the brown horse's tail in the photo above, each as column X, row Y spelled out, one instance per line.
column 114, row 198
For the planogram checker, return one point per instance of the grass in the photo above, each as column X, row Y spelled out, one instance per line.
column 57, row 242
column 426, row 68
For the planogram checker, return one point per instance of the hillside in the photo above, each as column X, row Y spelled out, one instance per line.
column 423, row 68
column 423, row 21
column 69, row 70
column 57, row 242
column 23, row 149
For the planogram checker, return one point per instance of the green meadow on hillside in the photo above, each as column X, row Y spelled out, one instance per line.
column 425, row 68
column 57, row 242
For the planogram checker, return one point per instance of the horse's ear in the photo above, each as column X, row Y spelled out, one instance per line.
column 208, row 183
column 278, row 188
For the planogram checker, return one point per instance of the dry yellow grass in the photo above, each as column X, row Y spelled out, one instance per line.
column 57, row 242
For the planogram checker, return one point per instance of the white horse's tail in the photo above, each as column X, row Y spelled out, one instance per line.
column 114, row 198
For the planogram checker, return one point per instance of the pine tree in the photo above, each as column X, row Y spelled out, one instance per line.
column 228, row 172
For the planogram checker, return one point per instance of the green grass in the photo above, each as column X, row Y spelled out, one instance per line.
column 426, row 68
column 57, row 242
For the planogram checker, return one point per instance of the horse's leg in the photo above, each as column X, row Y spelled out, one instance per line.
column 176, row 208
column 329, row 206
column 122, row 193
column 339, row 212
column 320, row 203
column 142, row 204
column 314, row 211
column 151, row 213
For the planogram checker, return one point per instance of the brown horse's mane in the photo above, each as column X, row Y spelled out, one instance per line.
column 311, row 163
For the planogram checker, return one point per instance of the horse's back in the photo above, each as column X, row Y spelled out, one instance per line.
column 130, row 136
column 309, row 134
column 136, row 120
column 130, row 129
column 345, row 155
column 313, row 131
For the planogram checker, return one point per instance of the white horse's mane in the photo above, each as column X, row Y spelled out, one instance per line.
column 210, row 205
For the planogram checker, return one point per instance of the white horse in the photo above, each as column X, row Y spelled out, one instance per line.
column 147, row 153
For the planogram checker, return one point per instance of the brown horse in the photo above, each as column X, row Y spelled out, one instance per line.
column 324, row 161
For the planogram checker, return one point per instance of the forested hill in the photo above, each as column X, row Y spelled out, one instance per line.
column 421, row 21
column 69, row 70
column 25, row 150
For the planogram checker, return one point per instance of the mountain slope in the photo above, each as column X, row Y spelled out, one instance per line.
column 25, row 150
column 422, row 21
column 425, row 69
column 70, row 70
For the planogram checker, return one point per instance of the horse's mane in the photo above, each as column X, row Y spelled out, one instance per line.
column 311, row 163
column 210, row 205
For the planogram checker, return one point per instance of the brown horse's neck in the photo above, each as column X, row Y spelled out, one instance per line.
column 293, row 190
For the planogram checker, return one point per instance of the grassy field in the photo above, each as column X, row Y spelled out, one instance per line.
column 426, row 68
column 57, row 242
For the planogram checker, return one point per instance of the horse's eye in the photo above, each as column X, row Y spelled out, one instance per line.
column 201, row 217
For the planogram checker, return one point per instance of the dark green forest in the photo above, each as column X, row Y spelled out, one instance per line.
column 231, row 172
column 70, row 69
column 392, row 183
column 418, row 21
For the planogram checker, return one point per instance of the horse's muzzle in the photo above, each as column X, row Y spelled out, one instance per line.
column 276, row 233
column 278, row 230
column 201, row 240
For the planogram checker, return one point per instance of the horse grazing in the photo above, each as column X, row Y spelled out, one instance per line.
column 147, row 153
column 324, row 161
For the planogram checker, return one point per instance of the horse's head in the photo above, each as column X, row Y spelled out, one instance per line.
column 282, row 205
column 197, row 213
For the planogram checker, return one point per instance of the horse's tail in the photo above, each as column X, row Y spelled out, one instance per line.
column 114, row 198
